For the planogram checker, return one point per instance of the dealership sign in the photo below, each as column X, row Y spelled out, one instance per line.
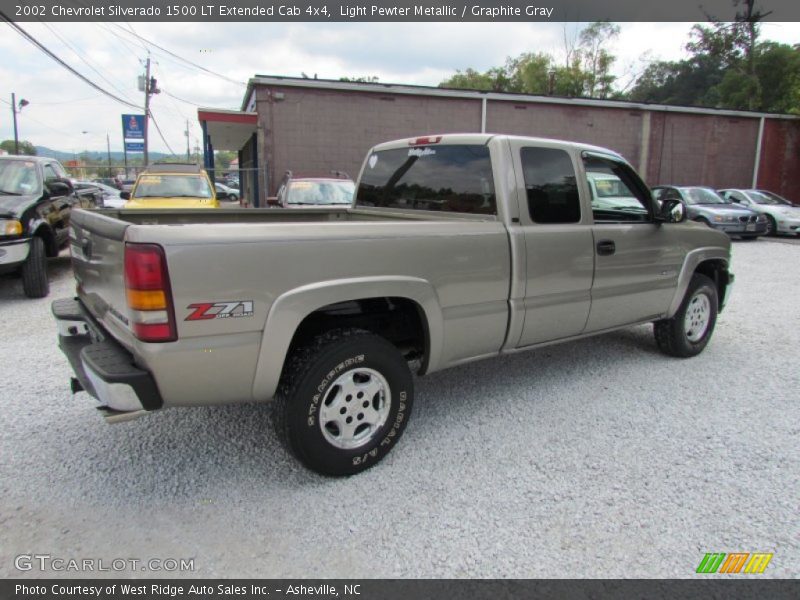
column 133, row 127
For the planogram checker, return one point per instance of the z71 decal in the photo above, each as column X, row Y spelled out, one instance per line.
column 220, row 310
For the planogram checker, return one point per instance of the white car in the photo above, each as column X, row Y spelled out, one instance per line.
column 782, row 215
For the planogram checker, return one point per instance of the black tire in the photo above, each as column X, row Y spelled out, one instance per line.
column 673, row 337
column 233, row 197
column 34, row 271
column 309, row 385
column 772, row 226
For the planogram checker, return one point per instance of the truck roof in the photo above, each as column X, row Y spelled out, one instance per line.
column 483, row 138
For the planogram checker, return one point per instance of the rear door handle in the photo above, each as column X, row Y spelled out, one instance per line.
column 606, row 247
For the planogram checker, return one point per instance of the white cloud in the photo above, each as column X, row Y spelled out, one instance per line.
column 62, row 107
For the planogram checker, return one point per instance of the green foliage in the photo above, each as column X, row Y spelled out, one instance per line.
column 25, row 147
column 587, row 71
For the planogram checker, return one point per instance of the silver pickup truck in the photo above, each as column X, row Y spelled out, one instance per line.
column 457, row 248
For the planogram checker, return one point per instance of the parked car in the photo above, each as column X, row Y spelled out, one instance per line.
column 89, row 189
column 36, row 202
column 112, row 197
column 172, row 185
column 782, row 216
column 226, row 193
column 705, row 205
column 109, row 181
column 126, row 185
column 232, row 181
column 509, row 256
column 308, row 192
column 778, row 197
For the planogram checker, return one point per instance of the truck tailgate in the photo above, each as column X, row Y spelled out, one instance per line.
column 97, row 245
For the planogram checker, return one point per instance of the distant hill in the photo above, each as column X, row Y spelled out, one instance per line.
column 99, row 157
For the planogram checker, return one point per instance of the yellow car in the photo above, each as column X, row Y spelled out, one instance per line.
column 172, row 185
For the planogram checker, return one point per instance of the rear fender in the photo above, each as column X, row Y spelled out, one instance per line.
column 291, row 308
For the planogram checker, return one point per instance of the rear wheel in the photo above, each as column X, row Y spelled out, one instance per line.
column 688, row 332
column 343, row 401
column 34, row 271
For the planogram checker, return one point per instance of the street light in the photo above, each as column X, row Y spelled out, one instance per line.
column 22, row 104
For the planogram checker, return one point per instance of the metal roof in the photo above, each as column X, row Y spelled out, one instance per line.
column 420, row 90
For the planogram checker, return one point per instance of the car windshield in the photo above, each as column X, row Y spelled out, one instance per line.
column 172, row 186
column 320, row 192
column 766, row 198
column 703, row 196
column 18, row 178
column 607, row 187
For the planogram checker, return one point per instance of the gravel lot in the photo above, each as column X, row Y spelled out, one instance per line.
column 598, row 458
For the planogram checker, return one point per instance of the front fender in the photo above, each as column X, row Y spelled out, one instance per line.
column 693, row 259
column 292, row 307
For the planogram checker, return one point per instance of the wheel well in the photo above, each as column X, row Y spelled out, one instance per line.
column 717, row 271
column 50, row 245
column 399, row 320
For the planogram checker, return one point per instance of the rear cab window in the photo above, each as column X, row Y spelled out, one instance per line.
column 447, row 178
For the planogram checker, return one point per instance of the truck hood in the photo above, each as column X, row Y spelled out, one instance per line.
column 16, row 205
column 172, row 203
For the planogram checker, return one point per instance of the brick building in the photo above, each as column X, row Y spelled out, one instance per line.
column 315, row 126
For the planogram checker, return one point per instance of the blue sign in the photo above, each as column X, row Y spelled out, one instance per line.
column 134, row 146
column 133, row 127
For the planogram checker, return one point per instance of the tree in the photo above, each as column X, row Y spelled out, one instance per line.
column 25, row 147
column 595, row 59
column 586, row 70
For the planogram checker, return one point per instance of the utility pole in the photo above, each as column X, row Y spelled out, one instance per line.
column 188, row 158
column 108, row 149
column 14, row 111
column 146, row 105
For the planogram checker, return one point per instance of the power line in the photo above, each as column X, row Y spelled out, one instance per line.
column 78, row 74
column 86, row 62
column 186, row 60
column 161, row 135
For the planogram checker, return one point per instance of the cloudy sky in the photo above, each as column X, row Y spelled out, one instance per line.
column 66, row 114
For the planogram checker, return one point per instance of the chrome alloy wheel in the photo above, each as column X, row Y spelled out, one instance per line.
column 355, row 408
column 698, row 313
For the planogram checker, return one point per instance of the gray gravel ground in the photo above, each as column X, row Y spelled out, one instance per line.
column 598, row 458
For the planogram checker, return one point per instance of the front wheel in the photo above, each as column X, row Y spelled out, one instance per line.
column 34, row 271
column 772, row 226
column 343, row 401
column 688, row 332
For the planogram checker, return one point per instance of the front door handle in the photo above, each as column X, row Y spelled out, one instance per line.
column 606, row 247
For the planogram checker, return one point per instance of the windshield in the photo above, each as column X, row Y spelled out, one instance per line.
column 455, row 178
column 768, row 198
column 18, row 178
column 703, row 196
column 320, row 192
column 172, row 186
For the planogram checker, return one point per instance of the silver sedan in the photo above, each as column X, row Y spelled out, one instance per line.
column 782, row 216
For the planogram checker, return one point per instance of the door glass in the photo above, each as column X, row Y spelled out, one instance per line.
column 550, row 185
column 49, row 173
column 617, row 194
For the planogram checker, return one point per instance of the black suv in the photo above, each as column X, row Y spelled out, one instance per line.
column 36, row 198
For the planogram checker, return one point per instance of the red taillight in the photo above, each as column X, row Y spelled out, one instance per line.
column 148, row 293
column 422, row 141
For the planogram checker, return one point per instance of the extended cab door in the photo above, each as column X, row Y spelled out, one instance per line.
column 637, row 261
column 559, row 249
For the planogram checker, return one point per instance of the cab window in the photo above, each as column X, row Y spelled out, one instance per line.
column 618, row 195
column 550, row 186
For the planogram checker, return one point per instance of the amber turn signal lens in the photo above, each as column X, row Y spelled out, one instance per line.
column 147, row 299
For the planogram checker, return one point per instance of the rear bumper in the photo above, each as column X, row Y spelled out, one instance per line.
column 104, row 368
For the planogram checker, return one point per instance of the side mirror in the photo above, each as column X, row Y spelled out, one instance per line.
column 125, row 195
column 672, row 211
column 59, row 186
